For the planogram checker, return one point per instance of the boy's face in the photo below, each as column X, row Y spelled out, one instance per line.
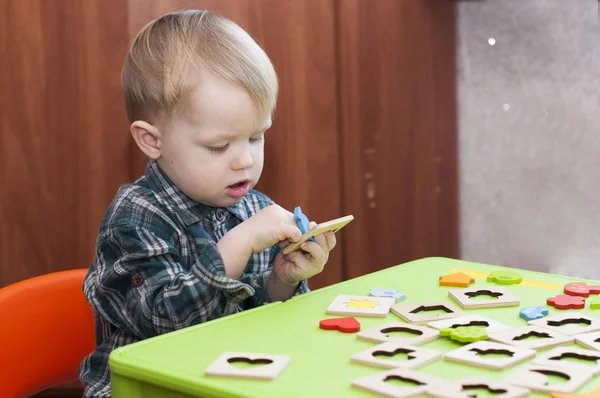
column 213, row 149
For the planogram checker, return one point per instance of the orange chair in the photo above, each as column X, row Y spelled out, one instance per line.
column 46, row 329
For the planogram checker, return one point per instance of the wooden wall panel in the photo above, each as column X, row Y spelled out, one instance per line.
column 302, row 148
column 64, row 141
column 398, row 139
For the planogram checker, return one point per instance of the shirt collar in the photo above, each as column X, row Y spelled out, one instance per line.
column 188, row 209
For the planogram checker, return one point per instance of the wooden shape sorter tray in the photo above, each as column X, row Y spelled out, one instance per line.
column 475, row 354
column 532, row 337
column 536, row 378
column 367, row 306
column 270, row 366
column 378, row 383
column 463, row 389
column 385, row 333
column 498, row 297
column 419, row 313
column 561, row 357
column 490, row 325
column 570, row 323
column 591, row 341
column 416, row 357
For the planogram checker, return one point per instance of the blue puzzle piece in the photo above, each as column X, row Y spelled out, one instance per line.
column 302, row 222
column 531, row 313
column 380, row 292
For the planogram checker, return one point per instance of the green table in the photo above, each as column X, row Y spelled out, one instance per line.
column 172, row 365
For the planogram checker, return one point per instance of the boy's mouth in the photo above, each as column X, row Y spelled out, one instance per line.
column 238, row 190
column 239, row 184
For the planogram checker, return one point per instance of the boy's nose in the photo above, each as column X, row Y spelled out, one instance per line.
column 242, row 161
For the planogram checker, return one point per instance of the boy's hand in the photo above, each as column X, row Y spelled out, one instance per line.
column 299, row 265
column 269, row 226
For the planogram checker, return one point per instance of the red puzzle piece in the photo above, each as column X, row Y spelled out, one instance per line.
column 346, row 325
column 564, row 302
column 581, row 289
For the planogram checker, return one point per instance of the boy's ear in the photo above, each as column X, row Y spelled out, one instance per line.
column 147, row 137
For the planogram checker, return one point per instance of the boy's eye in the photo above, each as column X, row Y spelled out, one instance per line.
column 257, row 138
column 218, row 149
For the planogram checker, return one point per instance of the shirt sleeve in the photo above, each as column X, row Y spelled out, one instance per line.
column 259, row 281
column 138, row 282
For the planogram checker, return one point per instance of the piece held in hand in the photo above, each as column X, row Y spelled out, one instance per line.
column 302, row 221
column 333, row 226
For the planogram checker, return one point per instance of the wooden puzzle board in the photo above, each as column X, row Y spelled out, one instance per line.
column 320, row 360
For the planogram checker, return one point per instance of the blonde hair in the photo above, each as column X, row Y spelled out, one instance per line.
column 156, row 66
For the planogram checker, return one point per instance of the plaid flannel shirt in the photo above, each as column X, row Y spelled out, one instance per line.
column 158, row 269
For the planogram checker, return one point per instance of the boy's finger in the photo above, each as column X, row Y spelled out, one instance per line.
column 283, row 243
column 291, row 233
column 321, row 240
column 331, row 240
column 299, row 259
column 316, row 252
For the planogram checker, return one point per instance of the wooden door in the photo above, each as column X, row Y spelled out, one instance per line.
column 302, row 148
column 397, row 101
column 64, row 146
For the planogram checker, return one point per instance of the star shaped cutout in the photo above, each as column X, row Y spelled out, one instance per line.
column 360, row 304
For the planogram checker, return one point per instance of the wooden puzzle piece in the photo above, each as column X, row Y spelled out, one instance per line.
column 569, row 323
column 302, row 222
column 381, row 292
column 531, row 313
column 264, row 366
column 562, row 357
column 532, row 337
column 485, row 354
column 381, row 334
column 426, row 312
column 535, row 377
column 595, row 304
column 459, row 280
column 581, row 289
column 498, row 297
column 464, row 389
column 333, row 226
column 591, row 394
column 377, row 307
column 470, row 320
column 416, row 357
column 345, row 325
column 465, row 334
column 505, row 277
column 589, row 340
column 525, row 282
column 566, row 302
column 379, row 383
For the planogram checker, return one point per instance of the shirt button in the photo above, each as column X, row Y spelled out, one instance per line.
column 220, row 215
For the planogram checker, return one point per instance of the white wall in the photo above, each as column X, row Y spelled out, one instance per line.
column 529, row 127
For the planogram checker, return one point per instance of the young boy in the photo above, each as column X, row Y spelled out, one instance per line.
column 191, row 240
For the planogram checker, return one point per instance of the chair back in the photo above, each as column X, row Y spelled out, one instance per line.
column 46, row 329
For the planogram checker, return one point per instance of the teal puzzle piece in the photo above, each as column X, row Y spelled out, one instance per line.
column 531, row 313
column 302, row 222
column 380, row 292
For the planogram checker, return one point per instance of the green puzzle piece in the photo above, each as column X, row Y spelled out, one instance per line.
column 595, row 304
column 465, row 334
column 505, row 277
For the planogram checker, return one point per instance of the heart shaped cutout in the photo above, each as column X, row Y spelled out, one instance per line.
column 245, row 363
column 346, row 325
